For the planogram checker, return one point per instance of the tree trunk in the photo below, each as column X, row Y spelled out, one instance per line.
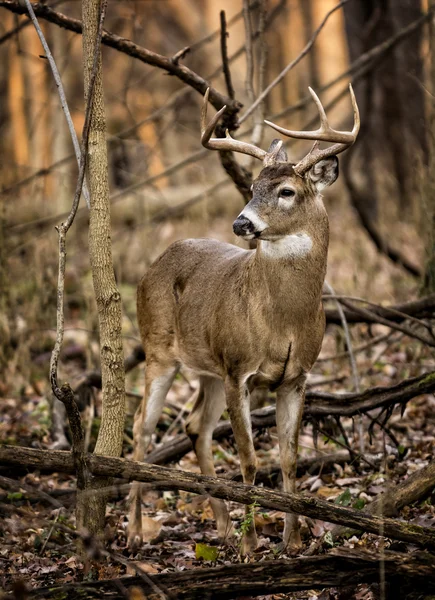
column 390, row 97
column 428, row 196
column 91, row 507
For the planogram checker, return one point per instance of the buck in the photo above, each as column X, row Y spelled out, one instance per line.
column 243, row 318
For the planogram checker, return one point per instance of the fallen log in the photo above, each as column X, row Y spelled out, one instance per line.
column 317, row 404
column 421, row 308
column 415, row 488
column 341, row 567
column 165, row 478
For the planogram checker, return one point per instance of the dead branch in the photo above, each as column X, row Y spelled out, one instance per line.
column 131, row 49
column 224, row 54
column 415, row 488
column 61, row 93
column 175, row 97
column 340, row 567
column 165, row 478
column 421, row 309
column 386, row 309
column 377, row 318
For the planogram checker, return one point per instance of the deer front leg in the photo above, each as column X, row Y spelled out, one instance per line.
column 158, row 380
column 289, row 408
column 239, row 410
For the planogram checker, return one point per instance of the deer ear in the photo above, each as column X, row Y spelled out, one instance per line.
column 324, row 172
column 277, row 151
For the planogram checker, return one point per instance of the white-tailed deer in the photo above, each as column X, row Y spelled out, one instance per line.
column 243, row 318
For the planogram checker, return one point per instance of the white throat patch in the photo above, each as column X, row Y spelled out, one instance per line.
column 297, row 245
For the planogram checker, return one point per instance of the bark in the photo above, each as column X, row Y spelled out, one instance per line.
column 421, row 309
column 164, row 478
column 341, row 567
column 428, row 199
column 110, row 436
column 392, row 99
column 417, row 487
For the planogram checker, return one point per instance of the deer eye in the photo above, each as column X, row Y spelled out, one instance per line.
column 287, row 193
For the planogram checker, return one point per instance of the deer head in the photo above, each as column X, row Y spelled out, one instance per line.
column 285, row 194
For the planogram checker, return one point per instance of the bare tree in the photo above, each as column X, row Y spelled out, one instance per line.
column 107, row 296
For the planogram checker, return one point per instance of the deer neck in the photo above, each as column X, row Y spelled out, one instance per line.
column 293, row 268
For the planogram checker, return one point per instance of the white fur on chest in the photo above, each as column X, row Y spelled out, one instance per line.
column 297, row 245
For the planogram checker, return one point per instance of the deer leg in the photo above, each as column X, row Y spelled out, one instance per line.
column 289, row 408
column 158, row 380
column 239, row 411
column 208, row 408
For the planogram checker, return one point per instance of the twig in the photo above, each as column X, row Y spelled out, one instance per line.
column 348, row 448
column 376, row 318
column 387, row 309
column 128, row 47
column 257, row 133
column 249, row 78
column 224, row 54
column 352, row 365
column 65, row 393
column 61, row 93
column 292, row 64
column 377, row 340
column 346, row 334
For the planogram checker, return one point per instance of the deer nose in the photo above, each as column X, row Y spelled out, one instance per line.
column 242, row 226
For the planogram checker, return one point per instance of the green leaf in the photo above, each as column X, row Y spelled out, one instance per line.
column 15, row 495
column 344, row 499
column 402, row 451
column 206, row 552
column 359, row 504
column 328, row 539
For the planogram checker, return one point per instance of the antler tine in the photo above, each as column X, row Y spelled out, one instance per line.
column 325, row 133
column 323, row 118
column 207, row 130
column 356, row 119
column 227, row 143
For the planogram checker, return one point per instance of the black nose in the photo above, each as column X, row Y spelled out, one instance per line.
column 242, row 226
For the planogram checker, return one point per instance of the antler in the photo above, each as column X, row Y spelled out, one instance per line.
column 325, row 133
column 227, row 143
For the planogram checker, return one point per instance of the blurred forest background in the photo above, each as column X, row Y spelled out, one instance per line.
column 165, row 186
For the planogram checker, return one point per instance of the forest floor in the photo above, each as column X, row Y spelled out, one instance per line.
column 179, row 527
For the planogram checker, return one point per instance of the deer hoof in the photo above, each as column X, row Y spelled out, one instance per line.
column 249, row 544
column 134, row 539
column 292, row 546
